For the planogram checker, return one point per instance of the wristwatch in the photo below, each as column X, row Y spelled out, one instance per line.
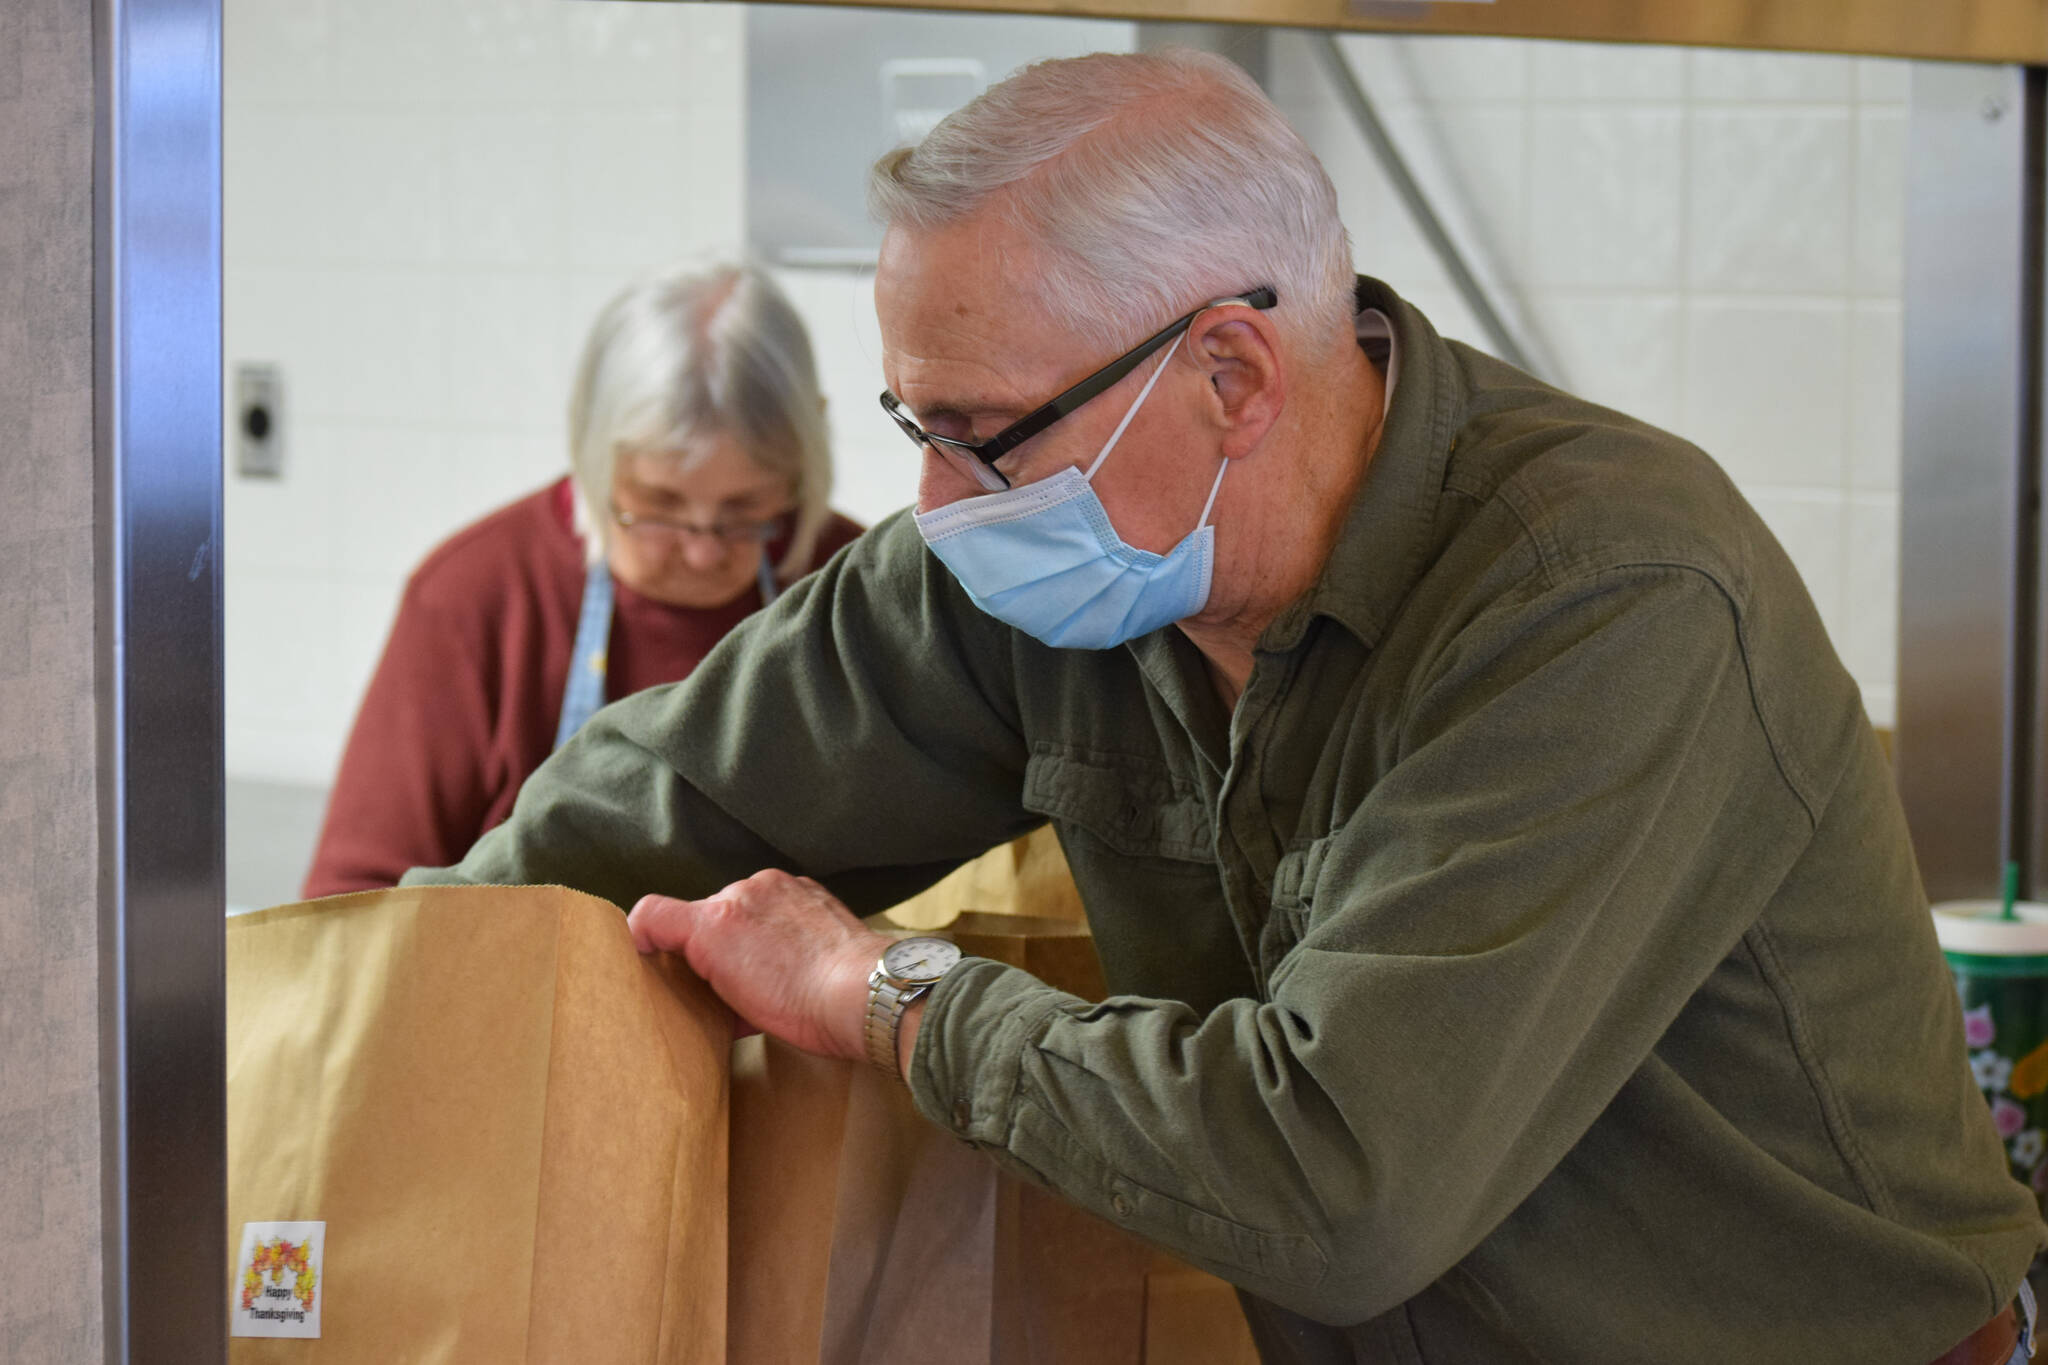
column 909, row 967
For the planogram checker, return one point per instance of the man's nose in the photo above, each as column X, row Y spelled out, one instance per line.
column 939, row 483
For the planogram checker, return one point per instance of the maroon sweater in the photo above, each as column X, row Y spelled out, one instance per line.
column 464, row 703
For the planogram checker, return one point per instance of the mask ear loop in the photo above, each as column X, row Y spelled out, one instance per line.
column 1221, row 470
column 1117, row 435
column 1143, row 394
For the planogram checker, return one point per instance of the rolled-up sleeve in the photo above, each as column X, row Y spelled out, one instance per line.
column 847, row 732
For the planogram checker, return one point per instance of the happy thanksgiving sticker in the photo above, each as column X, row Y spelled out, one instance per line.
column 278, row 1284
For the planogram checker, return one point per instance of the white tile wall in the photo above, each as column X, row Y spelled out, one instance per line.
column 1476, row 171
column 1879, row 227
column 1766, row 389
column 1472, row 69
column 1709, row 240
column 1624, row 350
column 1868, row 638
column 1876, row 371
column 504, row 177
column 1761, row 77
column 1769, row 200
column 1813, row 526
column 427, row 201
column 1585, row 73
column 1882, row 81
column 875, row 468
column 1607, row 209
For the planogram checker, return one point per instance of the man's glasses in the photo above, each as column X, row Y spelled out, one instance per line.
column 655, row 530
column 986, row 453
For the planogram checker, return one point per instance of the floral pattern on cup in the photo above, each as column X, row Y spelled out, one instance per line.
column 2007, row 1086
column 2005, row 1029
column 1978, row 1030
column 2026, row 1147
column 2009, row 1118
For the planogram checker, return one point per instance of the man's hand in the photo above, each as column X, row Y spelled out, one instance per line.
column 781, row 950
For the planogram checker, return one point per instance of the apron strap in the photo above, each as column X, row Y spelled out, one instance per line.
column 583, row 694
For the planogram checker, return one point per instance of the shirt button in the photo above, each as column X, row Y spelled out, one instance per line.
column 1121, row 1205
column 962, row 1115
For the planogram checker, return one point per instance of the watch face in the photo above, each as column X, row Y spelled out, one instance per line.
column 920, row 960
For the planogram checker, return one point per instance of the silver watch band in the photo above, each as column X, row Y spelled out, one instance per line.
column 886, row 1003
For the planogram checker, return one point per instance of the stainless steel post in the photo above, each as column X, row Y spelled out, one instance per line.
column 1972, row 390
column 157, row 440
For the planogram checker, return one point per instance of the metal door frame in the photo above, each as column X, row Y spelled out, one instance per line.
column 157, row 520
column 1970, row 710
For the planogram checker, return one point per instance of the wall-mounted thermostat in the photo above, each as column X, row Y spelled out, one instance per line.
column 259, row 422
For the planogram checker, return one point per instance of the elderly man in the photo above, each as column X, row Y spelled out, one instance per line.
column 1517, row 948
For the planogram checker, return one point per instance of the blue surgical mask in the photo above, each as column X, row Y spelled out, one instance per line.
column 1044, row 557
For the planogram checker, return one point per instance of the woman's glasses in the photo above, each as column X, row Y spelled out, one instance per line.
column 727, row 532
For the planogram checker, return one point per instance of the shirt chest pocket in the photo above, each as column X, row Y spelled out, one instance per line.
column 1141, row 844
column 1134, row 806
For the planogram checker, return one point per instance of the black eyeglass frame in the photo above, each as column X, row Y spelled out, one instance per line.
column 1039, row 418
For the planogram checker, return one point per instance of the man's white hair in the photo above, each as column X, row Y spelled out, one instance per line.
column 692, row 352
column 1154, row 181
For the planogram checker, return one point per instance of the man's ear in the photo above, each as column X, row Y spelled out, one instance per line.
column 1237, row 349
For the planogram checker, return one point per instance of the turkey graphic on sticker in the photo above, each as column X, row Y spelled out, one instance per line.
column 279, row 1280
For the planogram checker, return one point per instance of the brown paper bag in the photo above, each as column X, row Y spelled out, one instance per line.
column 472, row 1124
column 859, row 1232
column 1189, row 1317
column 1027, row 876
column 862, row 1234
column 1193, row 1318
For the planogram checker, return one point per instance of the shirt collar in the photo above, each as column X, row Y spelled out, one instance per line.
column 1389, row 536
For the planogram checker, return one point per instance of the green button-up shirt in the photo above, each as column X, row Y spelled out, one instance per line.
column 1532, row 965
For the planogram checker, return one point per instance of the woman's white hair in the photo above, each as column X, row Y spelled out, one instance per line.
column 1154, row 181
column 693, row 352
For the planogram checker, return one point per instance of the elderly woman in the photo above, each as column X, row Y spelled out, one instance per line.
column 699, row 476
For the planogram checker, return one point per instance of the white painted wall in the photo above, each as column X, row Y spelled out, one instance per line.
column 426, row 203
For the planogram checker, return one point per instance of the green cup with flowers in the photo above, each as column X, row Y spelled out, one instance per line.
column 1998, row 953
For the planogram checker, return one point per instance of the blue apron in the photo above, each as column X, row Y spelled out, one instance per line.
column 583, row 694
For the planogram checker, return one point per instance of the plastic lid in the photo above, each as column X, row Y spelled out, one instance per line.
column 1975, row 927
